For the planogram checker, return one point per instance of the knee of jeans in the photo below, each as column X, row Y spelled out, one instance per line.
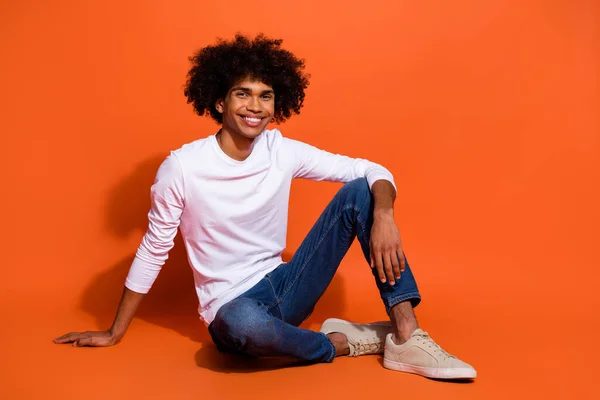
column 239, row 319
column 358, row 187
column 358, row 192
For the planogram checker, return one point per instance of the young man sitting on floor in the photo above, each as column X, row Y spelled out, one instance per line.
column 228, row 194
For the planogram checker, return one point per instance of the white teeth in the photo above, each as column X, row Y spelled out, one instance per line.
column 250, row 119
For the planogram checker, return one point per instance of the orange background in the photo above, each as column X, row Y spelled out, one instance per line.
column 485, row 111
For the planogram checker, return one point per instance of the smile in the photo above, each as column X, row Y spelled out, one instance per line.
column 252, row 121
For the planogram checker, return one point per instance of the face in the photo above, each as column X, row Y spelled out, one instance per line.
column 248, row 108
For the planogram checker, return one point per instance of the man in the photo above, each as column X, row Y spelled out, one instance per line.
column 228, row 194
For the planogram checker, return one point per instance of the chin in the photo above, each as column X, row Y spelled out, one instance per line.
column 252, row 133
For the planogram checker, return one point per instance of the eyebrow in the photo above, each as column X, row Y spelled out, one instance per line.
column 245, row 89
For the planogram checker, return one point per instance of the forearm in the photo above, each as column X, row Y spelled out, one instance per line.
column 384, row 195
column 130, row 301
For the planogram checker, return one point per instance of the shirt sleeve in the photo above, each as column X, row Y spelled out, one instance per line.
column 167, row 203
column 316, row 164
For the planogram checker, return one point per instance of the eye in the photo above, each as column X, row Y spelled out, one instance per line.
column 267, row 96
column 241, row 94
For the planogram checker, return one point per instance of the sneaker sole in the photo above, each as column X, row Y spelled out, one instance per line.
column 435, row 373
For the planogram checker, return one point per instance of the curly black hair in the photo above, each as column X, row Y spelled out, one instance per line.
column 215, row 69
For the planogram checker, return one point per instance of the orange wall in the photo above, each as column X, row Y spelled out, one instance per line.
column 485, row 111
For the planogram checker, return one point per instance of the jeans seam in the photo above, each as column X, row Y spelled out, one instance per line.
column 321, row 239
column 367, row 236
column 277, row 300
column 362, row 228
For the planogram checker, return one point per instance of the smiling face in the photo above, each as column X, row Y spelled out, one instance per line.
column 247, row 109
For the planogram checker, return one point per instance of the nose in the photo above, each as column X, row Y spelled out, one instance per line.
column 253, row 105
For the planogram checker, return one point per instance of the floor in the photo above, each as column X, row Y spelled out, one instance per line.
column 521, row 346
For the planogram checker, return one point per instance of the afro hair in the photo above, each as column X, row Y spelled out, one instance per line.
column 217, row 68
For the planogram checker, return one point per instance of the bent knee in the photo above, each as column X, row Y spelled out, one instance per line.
column 359, row 185
column 239, row 317
column 357, row 190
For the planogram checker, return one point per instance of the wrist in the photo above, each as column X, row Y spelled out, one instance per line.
column 383, row 212
column 115, row 334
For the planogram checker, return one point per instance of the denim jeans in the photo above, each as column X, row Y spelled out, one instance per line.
column 264, row 320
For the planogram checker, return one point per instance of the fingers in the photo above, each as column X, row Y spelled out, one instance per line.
column 378, row 261
column 396, row 265
column 94, row 339
column 77, row 338
column 86, row 341
column 402, row 258
column 89, row 338
column 67, row 338
column 385, row 267
column 389, row 269
column 390, row 264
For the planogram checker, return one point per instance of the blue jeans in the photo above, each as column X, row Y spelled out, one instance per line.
column 264, row 320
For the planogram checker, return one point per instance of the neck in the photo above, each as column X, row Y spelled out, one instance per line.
column 235, row 146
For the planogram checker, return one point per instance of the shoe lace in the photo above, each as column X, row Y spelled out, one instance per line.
column 428, row 342
column 363, row 347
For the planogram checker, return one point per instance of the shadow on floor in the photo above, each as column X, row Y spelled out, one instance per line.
column 209, row 357
column 172, row 301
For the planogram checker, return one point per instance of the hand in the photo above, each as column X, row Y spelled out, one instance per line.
column 90, row 338
column 386, row 248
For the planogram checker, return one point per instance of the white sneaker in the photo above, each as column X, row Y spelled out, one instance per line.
column 421, row 355
column 362, row 338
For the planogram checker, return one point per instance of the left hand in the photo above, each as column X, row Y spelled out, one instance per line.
column 89, row 338
column 386, row 248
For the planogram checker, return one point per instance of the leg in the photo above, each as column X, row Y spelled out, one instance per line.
column 245, row 326
column 299, row 284
column 399, row 301
column 287, row 296
column 404, row 321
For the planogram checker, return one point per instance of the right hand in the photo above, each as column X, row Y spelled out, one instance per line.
column 89, row 338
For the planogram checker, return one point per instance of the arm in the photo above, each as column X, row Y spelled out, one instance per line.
column 164, row 217
column 384, row 195
column 127, row 307
column 320, row 165
column 386, row 247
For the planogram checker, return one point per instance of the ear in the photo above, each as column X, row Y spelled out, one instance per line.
column 219, row 105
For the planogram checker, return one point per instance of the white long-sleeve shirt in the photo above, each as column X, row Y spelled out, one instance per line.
column 232, row 214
